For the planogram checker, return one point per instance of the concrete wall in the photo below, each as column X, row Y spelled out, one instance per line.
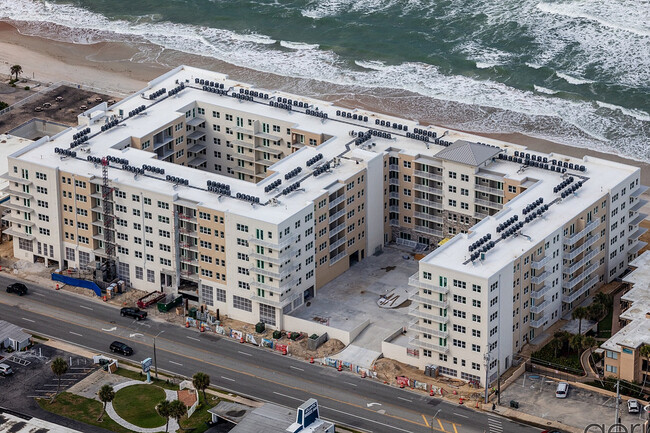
column 301, row 325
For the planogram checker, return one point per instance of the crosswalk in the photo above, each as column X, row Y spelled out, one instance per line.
column 494, row 424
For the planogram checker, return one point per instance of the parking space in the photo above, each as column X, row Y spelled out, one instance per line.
column 581, row 408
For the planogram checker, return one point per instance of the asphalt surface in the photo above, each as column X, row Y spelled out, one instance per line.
column 244, row 369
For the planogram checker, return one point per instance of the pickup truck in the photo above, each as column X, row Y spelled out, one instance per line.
column 136, row 313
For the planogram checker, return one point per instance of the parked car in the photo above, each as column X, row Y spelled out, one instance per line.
column 18, row 288
column 5, row 370
column 136, row 313
column 633, row 406
column 119, row 347
column 562, row 390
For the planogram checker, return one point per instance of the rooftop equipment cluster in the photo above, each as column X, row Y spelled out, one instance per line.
column 566, row 182
column 295, row 103
column 157, row 93
column 513, row 219
column 218, row 187
column 108, row 125
column 277, row 104
column 132, row 169
column 81, row 133
column 177, row 180
column 362, row 137
column 535, row 213
column 94, row 159
column 443, row 142
column 247, row 197
column 321, row 169
column 316, row 113
column 254, row 94
column 276, row 183
column 314, row 160
column 484, row 249
column 79, row 141
column 380, row 134
column 138, row 110
column 176, row 89
column 352, row 116
column 480, row 242
column 116, row 160
column 421, row 134
column 295, row 172
column 208, row 83
column 291, row 188
column 241, row 96
column 65, row 152
column 394, row 125
column 153, row 169
column 216, row 90
column 570, row 190
column 533, row 205
column 508, row 231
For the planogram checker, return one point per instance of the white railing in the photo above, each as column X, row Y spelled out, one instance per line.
column 539, row 307
column 429, row 189
column 430, row 346
column 488, row 203
column 590, row 255
column 540, row 263
column 338, row 257
column 422, row 299
column 539, row 278
column 337, row 200
column 428, row 230
column 582, row 290
column 414, row 280
column 577, row 236
column 536, row 294
column 587, row 243
column 488, row 189
column 427, row 175
column 572, row 283
column 428, row 217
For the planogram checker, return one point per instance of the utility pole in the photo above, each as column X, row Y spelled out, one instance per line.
column 486, row 357
column 618, row 397
column 155, row 364
column 498, row 381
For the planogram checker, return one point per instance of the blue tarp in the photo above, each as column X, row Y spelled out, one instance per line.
column 78, row 283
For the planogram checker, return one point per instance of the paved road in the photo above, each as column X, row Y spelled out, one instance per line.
column 244, row 369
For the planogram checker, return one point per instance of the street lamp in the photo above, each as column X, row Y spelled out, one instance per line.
column 155, row 364
column 434, row 418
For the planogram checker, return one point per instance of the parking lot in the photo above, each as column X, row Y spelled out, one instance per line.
column 536, row 396
column 33, row 378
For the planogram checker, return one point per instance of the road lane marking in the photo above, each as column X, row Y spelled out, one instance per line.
column 457, row 414
column 454, row 426
column 227, row 378
column 110, row 329
column 39, row 294
column 87, row 308
column 244, row 353
column 296, row 368
column 405, row 399
column 176, row 363
column 350, row 383
column 346, row 403
column 373, row 421
column 29, row 320
column 287, row 396
column 74, row 333
column 192, row 338
column 425, row 420
column 441, row 427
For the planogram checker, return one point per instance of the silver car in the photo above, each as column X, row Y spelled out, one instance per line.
column 5, row 370
column 633, row 406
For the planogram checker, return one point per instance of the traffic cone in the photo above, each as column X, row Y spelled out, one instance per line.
column 202, row 328
column 340, row 367
column 57, row 287
column 401, row 385
column 284, row 351
column 104, row 298
column 311, row 360
column 460, row 400
column 241, row 340
column 187, row 324
column 431, row 392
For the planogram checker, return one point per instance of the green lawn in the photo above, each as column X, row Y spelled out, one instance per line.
column 137, row 405
column 136, row 375
column 605, row 325
column 197, row 421
column 82, row 409
column 567, row 359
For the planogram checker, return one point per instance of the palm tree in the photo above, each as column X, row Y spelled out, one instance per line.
column 165, row 410
column 580, row 313
column 576, row 342
column 201, row 381
column 557, row 344
column 59, row 368
column 644, row 351
column 177, row 411
column 16, row 70
column 105, row 394
column 596, row 310
column 604, row 299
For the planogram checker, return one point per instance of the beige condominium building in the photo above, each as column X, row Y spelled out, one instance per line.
column 249, row 201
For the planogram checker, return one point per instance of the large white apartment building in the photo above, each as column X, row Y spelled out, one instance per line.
column 249, row 201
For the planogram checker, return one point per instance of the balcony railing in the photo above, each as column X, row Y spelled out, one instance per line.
column 586, row 244
column 338, row 257
column 393, row 194
column 428, row 203
column 429, row 189
column 488, row 203
column 488, row 189
column 393, row 167
column 538, row 308
column 540, row 263
column 414, row 281
column 539, row 278
column 590, row 255
column 393, row 208
column 337, row 215
column 428, row 230
column 337, row 200
column 428, row 217
column 334, row 245
column 430, row 346
column 337, row 229
column 393, row 181
column 574, row 281
column 394, row 223
column 425, row 300
column 427, row 175
column 539, row 322
column 581, row 234
column 414, row 326
column 537, row 294
column 581, row 291
column 425, row 314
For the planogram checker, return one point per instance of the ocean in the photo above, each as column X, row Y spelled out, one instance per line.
column 571, row 71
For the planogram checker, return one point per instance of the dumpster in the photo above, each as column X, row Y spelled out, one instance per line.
column 193, row 312
column 277, row 335
column 260, row 327
column 164, row 306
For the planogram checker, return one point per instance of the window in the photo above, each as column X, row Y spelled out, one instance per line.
column 460, row 299
column 138, row 273
column 267, row 314
column 69, row 254
column 151, row 276
column 242, row 303
column 207, row 295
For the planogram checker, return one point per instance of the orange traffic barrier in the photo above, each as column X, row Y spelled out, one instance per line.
column 340, row 368
column 241, row 340
column 57, row 287
column 187, row 324
column 311, row 360
column 460, row 400
column 401, row 385
column 284, row 351
column 431, row 392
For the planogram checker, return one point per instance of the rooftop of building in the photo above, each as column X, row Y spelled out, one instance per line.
column 456, row 253
column 637, row 331
column 350, row 156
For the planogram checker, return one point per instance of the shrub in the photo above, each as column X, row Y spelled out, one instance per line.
column 27, row 87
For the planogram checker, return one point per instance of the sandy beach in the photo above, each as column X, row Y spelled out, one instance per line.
column 122, row 68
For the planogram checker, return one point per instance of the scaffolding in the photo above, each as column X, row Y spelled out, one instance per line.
column 109, row 224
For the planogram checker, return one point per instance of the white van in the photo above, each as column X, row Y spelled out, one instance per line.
column 562, row 390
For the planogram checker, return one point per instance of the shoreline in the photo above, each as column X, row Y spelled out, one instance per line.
column 110, row 66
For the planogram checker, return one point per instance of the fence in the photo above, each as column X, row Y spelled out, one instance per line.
column 77, row 283
column 535, row 368
column 186, row 384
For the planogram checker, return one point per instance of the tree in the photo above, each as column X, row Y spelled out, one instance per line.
column 644, row 351
column 575, row 342
column 580, row 313
column 59, row 368
column 105, row 394
column 177, row 411
column 201, row 381
column 596, row 310
column 16, row 70
column 165, row 410
column 604, row 299
column 557, row 344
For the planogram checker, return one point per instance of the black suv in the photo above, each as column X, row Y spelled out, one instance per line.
column 119, row 347
column 18, row 288
column 136, row 313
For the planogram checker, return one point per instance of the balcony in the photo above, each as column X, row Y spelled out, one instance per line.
column 481, row 215
column 428, row 203
column 280, row 244
column 337, row 229
column 489, row 190
column 539, row 322
column 12, row 219
column 488, row 203
column 430, row 346
column 278, row 273
column 539, row 264
column 590, row 255
column 428, row 217
column 573, row 282
column 393, row 208
column 16, row 193
column 157, row 144
column 427, row 175
column 393, row 181
column 394, row 223
column 414, row 281
column 337, row 200
column 581, row 291
column 273, row 289
column 244, row 170
column 337, row 215
column 338, row 257
column 636, row 221
column 334, row 245
column 538, row 308
column 10, row 204
column 577, row 236
column 393, row 194
column 10, row 178
column 428, row 230
column 393, row 167
column 426, row 300
column 428, row 189
column 537, row 294
column 539, row 278
column 425, row 314
column 413, row 326
column 274, row 260
column 18, row 234
column 190, row 260
column 245, row 157
column 271, row 302
column 586, row 244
